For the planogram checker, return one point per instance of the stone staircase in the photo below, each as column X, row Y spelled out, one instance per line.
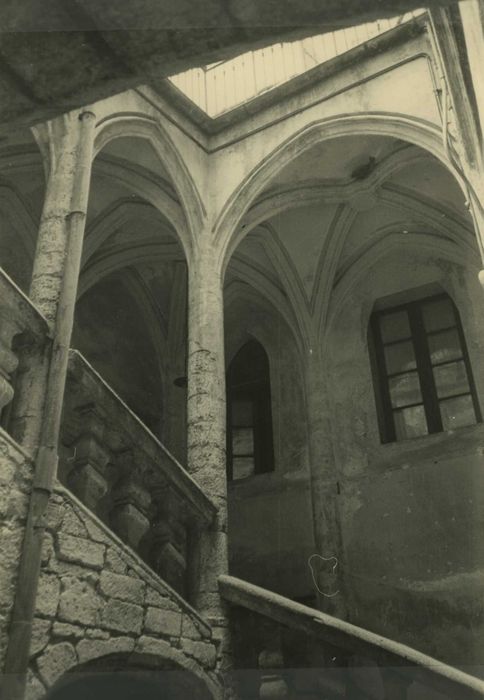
column 283, row 649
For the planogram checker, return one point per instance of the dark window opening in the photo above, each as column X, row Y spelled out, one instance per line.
column 422, row 376
column 250, row 448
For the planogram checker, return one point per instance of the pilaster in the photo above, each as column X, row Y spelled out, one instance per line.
column 326, row 562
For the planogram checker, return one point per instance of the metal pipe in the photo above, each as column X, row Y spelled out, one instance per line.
column 17, row 657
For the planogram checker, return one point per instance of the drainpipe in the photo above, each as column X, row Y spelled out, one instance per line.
column 17, row 657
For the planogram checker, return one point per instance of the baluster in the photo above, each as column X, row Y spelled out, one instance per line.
column 272, row 684
column 168, row 539
column 87, row 478
column 8, row 359
column 132, row 501
column 271, row 660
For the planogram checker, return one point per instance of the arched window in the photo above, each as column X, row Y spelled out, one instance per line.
column 421, row 372
column 249, row 419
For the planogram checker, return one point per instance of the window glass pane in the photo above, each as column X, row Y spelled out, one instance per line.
column 410, row 422
column 451, row 379
column 242, row 467
column 394, row 326
column 242, row 441
column 458, row 412
column 405, row 389
column 400, row 357
column 242, row 412
column 444, row 346
column 438, row 314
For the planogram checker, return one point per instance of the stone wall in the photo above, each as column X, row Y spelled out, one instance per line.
column 15, row 482
column 96, row 598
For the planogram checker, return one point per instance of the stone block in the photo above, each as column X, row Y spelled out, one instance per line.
column 94, row 633
column 156, row 599
column 165, row 622
column 204, row 653
column 122, row 587
column 17, row 507
column 34, row 689
column 40, row 635
column 11, row 539
column 67, row 631
column 47, row 548
column 189, row 629
column 67, row 568
column 72, row 524
column 80, row 551
column 95, row 532
column 114, row 561
column 47, row 595
column 55, row 514
column 121, row 616
column 150, row 645
column 55, row 661
column 88, row 649
column 79, row 602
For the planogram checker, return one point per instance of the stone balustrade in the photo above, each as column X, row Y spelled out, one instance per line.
column 121, row 471
column 329, row 657
column 20, row 323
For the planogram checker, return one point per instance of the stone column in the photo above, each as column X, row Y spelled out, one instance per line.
column 68, row 142
column 325, row 570
column 206, row 449
column 206, row 417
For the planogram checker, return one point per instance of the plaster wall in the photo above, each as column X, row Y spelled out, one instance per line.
column 410, row 512
column 270, row 519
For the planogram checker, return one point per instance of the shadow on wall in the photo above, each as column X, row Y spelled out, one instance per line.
column 111, row 333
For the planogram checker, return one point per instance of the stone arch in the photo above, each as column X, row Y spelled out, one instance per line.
column 164, row 672
column 144, row 127
column 279, row 201
column 230, row 227
column 439, row 249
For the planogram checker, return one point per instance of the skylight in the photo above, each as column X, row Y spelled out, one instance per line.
column 221, row 86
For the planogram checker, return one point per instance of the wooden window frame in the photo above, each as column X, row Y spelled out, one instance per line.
column 424, row 368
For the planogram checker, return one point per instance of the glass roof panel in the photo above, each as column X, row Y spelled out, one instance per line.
column 222, row 86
